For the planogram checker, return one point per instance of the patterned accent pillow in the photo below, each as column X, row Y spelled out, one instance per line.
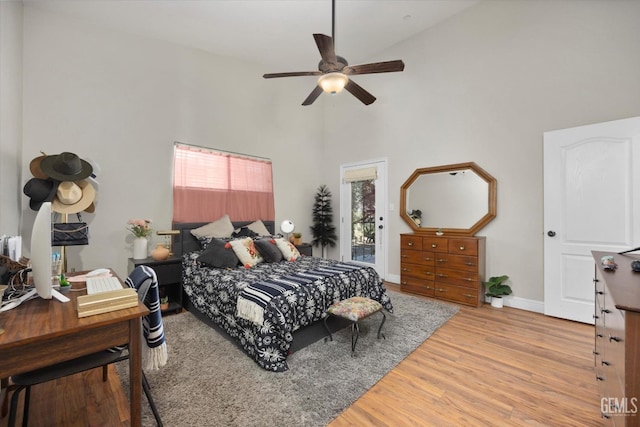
column 246, row 252
column 219, row 254
column 268, row 249
column 289, row 252
column 221, row 227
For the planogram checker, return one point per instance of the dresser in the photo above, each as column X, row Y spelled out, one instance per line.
column 617, row 340
column 447, row 268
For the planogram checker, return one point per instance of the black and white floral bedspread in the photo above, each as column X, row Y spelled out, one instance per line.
column 214, row 292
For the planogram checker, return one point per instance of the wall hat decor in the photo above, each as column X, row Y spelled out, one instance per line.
column 73, row 197
column 40, row 191
column 66, row 167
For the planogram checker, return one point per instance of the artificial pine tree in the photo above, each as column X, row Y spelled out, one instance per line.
column 324, row 234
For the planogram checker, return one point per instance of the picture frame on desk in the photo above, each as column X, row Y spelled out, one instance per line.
column 169, row 274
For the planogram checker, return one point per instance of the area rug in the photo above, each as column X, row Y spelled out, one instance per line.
column 208, row 381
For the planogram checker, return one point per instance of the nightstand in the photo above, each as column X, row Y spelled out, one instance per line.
column 169, row 273
column 305, row 249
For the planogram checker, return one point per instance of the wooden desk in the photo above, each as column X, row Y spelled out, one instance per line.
column 39, row 333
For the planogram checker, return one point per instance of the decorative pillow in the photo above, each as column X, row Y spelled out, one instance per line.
column 219, row 254
column 221, row 227
column 246, row 252
column 259, row 228
column 268, row 249
column 289, row 252
column 244, row 232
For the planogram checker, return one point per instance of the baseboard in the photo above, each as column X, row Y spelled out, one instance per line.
column 509, row 301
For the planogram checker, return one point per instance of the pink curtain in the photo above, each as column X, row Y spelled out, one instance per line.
column 208, row 184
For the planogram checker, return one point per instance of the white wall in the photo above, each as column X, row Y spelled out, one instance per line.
column 122, row 100
column 483, row 87
column 10, row 115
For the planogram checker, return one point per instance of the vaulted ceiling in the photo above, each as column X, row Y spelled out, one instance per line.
column 276, row 33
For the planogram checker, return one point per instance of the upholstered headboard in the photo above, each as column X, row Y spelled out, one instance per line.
column 187, row 242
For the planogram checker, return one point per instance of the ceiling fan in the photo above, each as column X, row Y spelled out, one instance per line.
column 334, row 70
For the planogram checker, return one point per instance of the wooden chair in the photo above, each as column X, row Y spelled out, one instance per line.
column 141, row 278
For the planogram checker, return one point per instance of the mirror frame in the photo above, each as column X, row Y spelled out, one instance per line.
column 491, row 202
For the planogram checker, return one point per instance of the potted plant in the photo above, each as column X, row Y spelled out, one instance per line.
column 164, row 303
column 296, row 238
column 496, row 289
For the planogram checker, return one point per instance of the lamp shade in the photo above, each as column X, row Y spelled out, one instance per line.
column 287, row 226
column 333, row 82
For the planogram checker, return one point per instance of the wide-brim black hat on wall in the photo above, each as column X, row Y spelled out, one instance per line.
column 40, row 191
column 66, row 167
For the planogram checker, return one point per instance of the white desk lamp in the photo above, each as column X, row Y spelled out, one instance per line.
column 287, row 226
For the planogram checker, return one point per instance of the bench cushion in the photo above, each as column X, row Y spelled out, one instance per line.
column 355, row 308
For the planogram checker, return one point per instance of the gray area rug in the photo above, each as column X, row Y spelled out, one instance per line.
column 208, row 381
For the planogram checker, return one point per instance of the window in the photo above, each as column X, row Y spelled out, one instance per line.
column 208, row 184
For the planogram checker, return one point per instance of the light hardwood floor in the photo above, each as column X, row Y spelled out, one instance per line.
column 485, row 367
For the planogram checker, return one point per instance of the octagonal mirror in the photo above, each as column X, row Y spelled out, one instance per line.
column 457, row 199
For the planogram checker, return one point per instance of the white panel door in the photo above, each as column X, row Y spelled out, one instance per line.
column 591, row 202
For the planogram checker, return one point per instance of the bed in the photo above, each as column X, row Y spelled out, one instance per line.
column 309, row 285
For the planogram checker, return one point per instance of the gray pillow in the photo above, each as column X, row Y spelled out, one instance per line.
column 219, row 254
column 268, row 249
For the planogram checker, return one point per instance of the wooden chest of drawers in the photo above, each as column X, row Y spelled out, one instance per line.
column 449, row 268
column 617, row 340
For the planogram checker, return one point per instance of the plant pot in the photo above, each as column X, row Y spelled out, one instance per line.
column 497, row 302
column 140, row 248
column 164, row 306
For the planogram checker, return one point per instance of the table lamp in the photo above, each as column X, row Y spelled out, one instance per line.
column 168, row 239
column 287, row 226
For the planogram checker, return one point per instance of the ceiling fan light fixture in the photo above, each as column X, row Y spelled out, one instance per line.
column 333, row 82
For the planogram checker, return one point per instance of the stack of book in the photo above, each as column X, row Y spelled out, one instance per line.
column 103, row 302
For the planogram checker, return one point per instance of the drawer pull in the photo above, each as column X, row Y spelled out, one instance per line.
column 470, row 264
column 595, row 353
column 403, row 256
column 599, row 293
column 605, row 363
column 428, row 273
column 426, row 259
column 605, row 415
column 599, row 335
column 440, row 289
column 599, row 378
column 410, row 244
column 462, row 248
column 469, row 279
column 433, row 245
column 469, row 296
column 442, row 260
column 405, row 269
column 441, row 275
column 605, row 310
column 616, row 339
column 596, row 317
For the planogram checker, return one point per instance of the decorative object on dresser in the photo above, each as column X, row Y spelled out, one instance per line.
column 617, row 339
column 448, row 268
column 496, row 289
column 160, row 253
column 169, row 274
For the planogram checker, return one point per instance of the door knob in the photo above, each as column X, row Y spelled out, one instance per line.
column 551, row 233
column 380, row 227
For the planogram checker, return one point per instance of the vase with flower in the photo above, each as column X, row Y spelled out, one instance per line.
column 141, row 229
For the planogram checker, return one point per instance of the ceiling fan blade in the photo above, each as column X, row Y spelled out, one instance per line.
column 376, row 67
column 325, row 46
column 293, row 74
column 313, row 96
column 357, row 91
